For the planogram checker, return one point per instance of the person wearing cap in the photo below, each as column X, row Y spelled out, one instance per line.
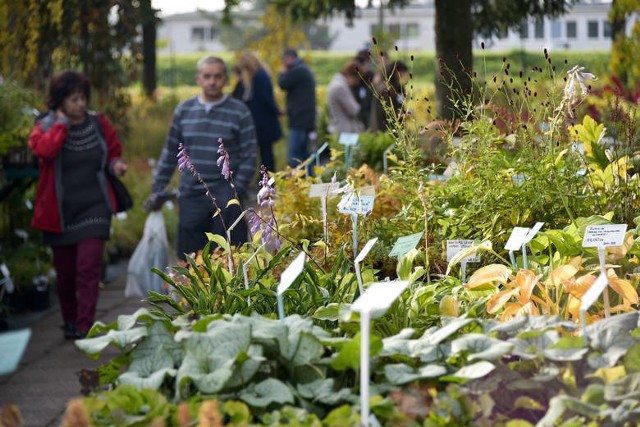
column 297, row 80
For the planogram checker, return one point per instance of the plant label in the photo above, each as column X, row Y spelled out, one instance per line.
column 592, row 294
column 348, row 138
column 354, row 204
column 363, row 253
column 322, row 190
column 456, row 246
column 606, row 235
column 12, row 346
column 531, row 234
column 379, row 296
column 291, row 273
column 516, row 240
column 404, row 244
column 518, row 179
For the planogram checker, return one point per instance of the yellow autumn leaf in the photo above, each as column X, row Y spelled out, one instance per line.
column 233, row 202
column 609, row 375
column 619, row 252
column 622, row 287
column 500, row 299
column 488, row 274
column 525, row 281
column 562, row 274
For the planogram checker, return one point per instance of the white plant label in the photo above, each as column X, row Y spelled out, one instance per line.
column 379, row 296
column 322, row 190
column 455, row 246
column 532, row 233
column 291, row 273
column 348, row 138
column 592, row 294
column 365, row 251
column 12, row 346
column 360, row 205
column 607, row 235
column 404, row 244
column 517, row 238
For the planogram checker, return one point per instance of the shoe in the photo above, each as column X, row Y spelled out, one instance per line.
column 69, row 331
column 80, row 335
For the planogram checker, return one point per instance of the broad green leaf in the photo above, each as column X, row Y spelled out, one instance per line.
column 632, row 359
column 238, row 412
column 475, row 370
column 400, row 373
column 266, row 392
column 221, row 241
column 125, row 322
column 247, row 365
column 309, row 349
column 627, row 387
column 480, row 347
column 349, row 356
column 324, row 391
column 329, row 312
column 93, row 346
column 433, row 337
column 271, row 333
column 153, row 381
column 398, row 344
column 561, row 403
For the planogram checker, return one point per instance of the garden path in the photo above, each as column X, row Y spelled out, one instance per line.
column 47, row 376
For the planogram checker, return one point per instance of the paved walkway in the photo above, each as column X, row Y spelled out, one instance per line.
column 46, row 377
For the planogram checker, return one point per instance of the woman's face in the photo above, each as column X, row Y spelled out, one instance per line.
column 74, row 107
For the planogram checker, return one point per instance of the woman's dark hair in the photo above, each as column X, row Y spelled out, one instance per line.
column 64, row 84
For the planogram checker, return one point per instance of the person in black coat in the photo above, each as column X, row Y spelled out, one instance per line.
column 255, row 89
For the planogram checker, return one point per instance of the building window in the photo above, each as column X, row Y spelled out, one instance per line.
column 592, row 29
column 412, row 30
column 197, row 34
column 572, row 30
column 394, row 30
column 538, row 29
column 607, row 30
column 556, row 29
column 200, row 34
column 524, row 30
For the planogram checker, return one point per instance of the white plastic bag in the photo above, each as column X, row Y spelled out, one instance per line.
column 152, row 251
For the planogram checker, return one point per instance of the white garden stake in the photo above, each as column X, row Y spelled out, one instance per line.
column 287, row 278
column 377, row 299
column 355, row 204
column 590, row 297
column 601, row 236
column 229, row 230
column 360, row 258
column 519, row 238
column 404, row 244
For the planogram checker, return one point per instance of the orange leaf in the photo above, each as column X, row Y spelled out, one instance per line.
column 498, row 300
column 562, row 274
column 619, row 252
column 623, row 288
column 525, row 281
column 488, row 274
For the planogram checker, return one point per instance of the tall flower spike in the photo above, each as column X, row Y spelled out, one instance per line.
column 263, row 219
column 223, row 160
column 577, row 77
column 184, row 162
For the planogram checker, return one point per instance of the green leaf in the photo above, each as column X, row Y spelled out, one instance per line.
column 308, row 350
column 480, row 347
column 632, row 359
column 329, row 312
column 93, row 346
column 401, row 373
column 266, row 392
column 625, row 388
column 474, row 371
column 349, row 356
column 221, row 241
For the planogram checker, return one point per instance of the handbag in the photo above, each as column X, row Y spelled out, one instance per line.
column 124, row 201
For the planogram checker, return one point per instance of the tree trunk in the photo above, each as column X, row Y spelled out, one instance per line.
column 149, row 77
column 454, row 58
column 618, row 27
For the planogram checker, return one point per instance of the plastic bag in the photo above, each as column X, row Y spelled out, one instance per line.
column 152, row 251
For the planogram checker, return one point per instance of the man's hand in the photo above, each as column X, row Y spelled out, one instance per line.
column 155, row 201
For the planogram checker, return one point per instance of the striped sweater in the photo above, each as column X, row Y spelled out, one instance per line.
column 199, row 130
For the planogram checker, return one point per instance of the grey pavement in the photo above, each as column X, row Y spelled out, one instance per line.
column 47, row 376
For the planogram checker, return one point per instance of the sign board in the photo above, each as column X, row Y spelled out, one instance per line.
column 348, row 138
column 12, row 346
column 291, row 273
column 455, row 246
column 354, row 204
column 322, row 190
column 606, row 235
column 404, row 244
column 517, row 238
column 379, row 296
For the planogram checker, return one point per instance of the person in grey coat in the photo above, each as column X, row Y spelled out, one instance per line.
column 298, row 81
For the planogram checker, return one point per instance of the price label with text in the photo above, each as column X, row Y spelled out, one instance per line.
column 404, row 244
column 606, row 235
column 322, row 190
column 348, row 138
column 455, row 246
column 352, row 203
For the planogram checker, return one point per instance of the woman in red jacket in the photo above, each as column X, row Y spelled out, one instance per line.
column 74, row 201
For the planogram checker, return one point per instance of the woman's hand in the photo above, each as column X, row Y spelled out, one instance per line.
column 120, row 167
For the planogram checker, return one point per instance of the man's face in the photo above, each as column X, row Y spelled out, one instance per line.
column 211, row 79
column 288, row 60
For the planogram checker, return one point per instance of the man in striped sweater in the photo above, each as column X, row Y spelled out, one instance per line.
column 197, row 127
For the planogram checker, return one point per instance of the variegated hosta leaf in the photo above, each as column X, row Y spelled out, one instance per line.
column 400, row 373
column 480, row 347
column 489, row 274
column 121, row 339
column 268, row 391
column 475, row 370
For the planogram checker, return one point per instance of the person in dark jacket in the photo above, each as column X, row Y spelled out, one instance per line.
column 74, row 202
column 363, row 92
column 297, row 80
column 255, row 89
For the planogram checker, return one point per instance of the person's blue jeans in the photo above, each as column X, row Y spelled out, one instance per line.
column 297, row 146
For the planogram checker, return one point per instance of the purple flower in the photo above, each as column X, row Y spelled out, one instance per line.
column 184, row 162
column 223, row 160
column 263, row 219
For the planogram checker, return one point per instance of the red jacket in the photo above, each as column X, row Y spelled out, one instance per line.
column 46, row 141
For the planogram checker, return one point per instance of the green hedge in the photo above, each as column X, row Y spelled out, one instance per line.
column 178, row 70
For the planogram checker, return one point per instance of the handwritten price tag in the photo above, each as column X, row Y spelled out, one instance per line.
column 456, row 246
column 404, row 244
column 352, row 203
column 322, row 190
column 600, row 236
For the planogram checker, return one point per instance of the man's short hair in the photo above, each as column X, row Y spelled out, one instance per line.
column 212, row 60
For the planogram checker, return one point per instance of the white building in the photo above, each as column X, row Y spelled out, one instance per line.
column 585, row 27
